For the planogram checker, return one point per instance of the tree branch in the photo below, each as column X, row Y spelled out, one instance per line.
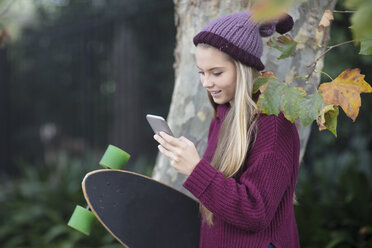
column 329, row 48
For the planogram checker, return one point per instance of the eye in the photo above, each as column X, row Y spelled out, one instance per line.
column 217, row 73
column 200, row 72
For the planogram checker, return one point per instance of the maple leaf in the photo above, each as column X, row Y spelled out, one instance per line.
column 345, row 91
column 270, row 99
column 291, row 107
column 310, row 106
column 293, row 102
column 261, row 81
column 284, row 44
column 326, row 20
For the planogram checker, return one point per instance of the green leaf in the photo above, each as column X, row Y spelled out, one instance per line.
column 328, row 118
column 284, row 44
column 270, row 100
column 261, row 81
column 310, row 107
column 331, row 120
column 352, row 4
column 361, row 21
column 291, row 107
column 366, row 46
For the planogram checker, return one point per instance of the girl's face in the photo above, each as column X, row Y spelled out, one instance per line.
column 217, row 74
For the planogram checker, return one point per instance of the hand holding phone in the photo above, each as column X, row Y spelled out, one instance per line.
column 158, row 124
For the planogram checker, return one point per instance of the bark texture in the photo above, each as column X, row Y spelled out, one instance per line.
column 190, row 112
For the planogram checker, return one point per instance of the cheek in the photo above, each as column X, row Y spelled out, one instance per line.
column 229, row 82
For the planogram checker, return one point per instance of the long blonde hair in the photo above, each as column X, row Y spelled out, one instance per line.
column 235, row 138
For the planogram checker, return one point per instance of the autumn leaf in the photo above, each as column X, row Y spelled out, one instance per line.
column 269, row 10
column 328, row 118
column 345, row 91
column 326, row 20
column 322, row 106
column 268, row 74
column 285, row 44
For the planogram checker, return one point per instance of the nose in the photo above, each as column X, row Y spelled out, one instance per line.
column 207, row 82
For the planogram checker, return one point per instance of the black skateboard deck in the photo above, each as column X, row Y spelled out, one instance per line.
column 141, row 212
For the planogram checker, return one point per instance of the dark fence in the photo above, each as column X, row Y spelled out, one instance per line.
column 84, row 79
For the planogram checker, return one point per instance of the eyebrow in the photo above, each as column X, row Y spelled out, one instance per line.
column 217, row 67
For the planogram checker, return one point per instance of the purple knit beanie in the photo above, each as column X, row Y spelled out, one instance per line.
column 238, row 36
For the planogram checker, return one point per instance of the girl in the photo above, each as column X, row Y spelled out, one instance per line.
column 246, row 179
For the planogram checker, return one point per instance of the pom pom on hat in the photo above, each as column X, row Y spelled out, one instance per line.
column 284, row 25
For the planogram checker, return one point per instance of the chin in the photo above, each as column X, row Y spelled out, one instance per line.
column 219, row 101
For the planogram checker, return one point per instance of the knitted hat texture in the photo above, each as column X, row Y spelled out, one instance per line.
column 238, row 36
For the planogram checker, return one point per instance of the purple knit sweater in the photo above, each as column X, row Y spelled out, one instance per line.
column 256, row 206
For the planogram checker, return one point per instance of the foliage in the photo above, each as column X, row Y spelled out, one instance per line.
column 324, row 213
column 344, row 91
column 335, row 202
column 36, row 207
column 285, row 44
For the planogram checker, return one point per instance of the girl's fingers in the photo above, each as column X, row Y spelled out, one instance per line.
column 163, row 142
column 167, row 153
column 171, row 140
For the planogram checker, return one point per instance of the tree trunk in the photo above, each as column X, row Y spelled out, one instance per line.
column 190, row 112
column 127, row 95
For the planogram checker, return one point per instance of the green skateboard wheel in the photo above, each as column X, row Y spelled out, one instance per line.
column 82, row 220
column 114, row 158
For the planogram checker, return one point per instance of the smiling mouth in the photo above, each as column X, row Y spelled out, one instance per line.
column 215, row 93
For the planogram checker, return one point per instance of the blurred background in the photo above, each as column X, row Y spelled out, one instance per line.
column 76, row 76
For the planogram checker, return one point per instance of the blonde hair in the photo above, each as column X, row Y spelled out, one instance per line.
column 235, row 138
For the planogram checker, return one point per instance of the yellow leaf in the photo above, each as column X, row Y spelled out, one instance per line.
column 268, row 74
column 345, row 91
column 327, row 118
column 326, row 20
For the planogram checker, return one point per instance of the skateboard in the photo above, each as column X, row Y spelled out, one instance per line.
column 137, row 210
column 141, row 212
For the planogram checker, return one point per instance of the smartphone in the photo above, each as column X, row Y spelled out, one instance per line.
column 158, row 124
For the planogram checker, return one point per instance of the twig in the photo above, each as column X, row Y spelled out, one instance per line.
column 316, row 71
column 329, row 48
column 341, row 44
column 344, row 11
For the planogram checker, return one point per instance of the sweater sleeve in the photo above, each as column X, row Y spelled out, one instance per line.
column 249, row 203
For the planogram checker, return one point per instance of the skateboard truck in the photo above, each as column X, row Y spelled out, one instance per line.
column 82, row 218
